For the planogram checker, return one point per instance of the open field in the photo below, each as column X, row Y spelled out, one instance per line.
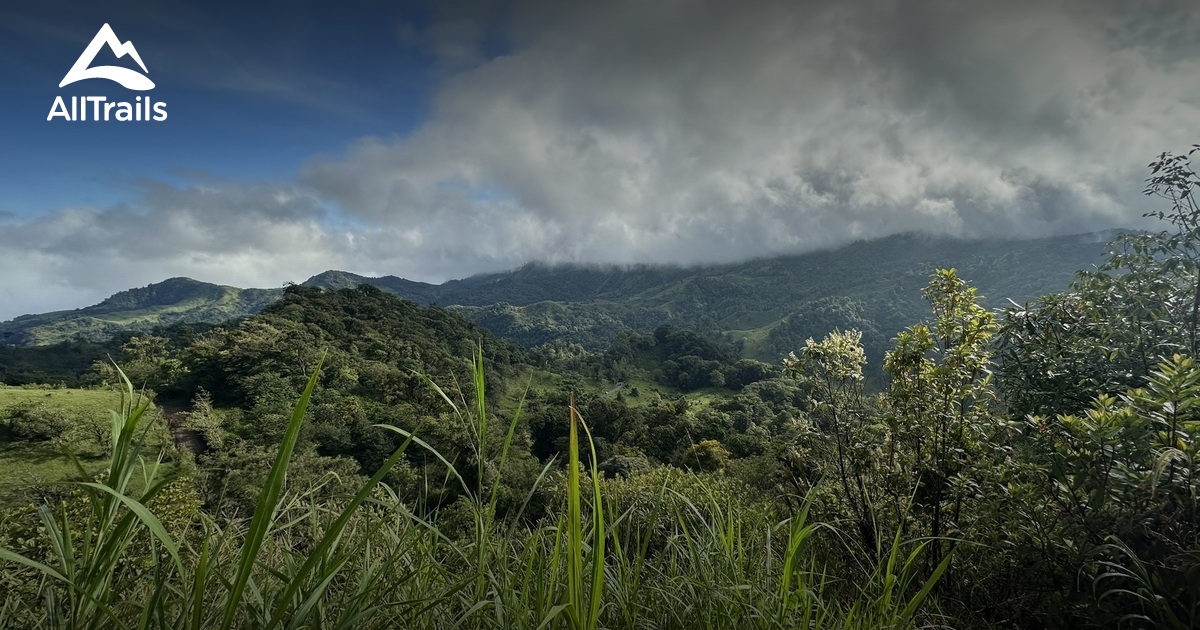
column 28, row 463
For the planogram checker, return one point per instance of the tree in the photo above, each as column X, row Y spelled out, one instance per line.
column 1115, row 495
column 940, row 411
column 38, row 422
column 1172, row 178
column 1115, row 324
column 834, row 369
column 706, row 456
column 147, row 361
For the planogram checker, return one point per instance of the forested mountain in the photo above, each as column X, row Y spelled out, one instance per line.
column 172, row 301
column 767, row 306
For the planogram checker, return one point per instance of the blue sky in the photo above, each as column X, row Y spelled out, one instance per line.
column 434, row 140
column 254, row 91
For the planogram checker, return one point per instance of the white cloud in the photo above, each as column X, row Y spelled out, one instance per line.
column 249, row 235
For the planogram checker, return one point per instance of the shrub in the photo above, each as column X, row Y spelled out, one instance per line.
column 38, row 422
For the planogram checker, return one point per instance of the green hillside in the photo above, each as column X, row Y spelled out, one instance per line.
column 755, row 481
column 771, row 305
column 768, row 305
column 170, row 302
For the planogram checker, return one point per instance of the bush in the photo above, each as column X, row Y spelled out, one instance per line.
column 38, row 422
column 664, row 501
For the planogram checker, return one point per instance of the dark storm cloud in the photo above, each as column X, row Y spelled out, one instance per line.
column 701, row 131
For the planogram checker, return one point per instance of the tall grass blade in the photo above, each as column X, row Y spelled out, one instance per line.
column 260, row 523
column 319, row 553
column 581, row 614
column 148, row 519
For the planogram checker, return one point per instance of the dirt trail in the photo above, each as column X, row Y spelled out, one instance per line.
column 185, row 439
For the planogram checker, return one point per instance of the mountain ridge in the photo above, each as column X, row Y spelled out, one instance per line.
column 756, row 302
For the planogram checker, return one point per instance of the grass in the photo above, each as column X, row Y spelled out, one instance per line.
column 82, row 402
column 116, row 557
column 545, row 382
column 756, row 340
column 29, row 464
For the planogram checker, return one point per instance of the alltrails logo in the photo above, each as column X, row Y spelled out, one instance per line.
column 101, row 109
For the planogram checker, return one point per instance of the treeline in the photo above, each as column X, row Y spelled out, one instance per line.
column 681, row 359
column 67, row 364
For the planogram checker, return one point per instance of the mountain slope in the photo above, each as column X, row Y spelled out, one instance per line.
column 172, row 301
column 767, row 305
column 771, row 305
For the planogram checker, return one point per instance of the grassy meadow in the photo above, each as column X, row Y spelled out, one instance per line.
column 30, row 464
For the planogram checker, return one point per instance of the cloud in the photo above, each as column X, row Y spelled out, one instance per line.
column 249, row 235
column 703, row 131
column 690, row 131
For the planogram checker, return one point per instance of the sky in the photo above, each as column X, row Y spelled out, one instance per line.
column 436, row 140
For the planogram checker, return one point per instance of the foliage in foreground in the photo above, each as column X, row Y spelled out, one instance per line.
column 119, row 557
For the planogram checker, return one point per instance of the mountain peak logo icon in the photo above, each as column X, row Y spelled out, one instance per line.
column 130, row 79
